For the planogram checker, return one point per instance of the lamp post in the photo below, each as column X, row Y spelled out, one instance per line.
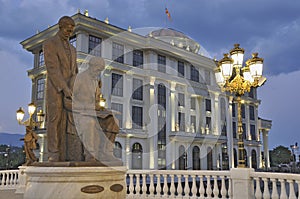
column 232, row 76
column 294, row 149
column 30, row 138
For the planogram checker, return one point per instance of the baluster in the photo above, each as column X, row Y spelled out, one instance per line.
column 208, row 188
column 162, row 187
column 11, row 178
column 298, row 182
column 201, row 188
column 223, row 187
column 137, row 184
column 2, row 181
column 229, row 188
column 194, row 187
column 144, row 185
column 131, row 185
column 258, row 193
column 292, row 190
column 216, row 188
column 283, row 194
column 266, row 188
column 172, row 186
column 179, row 187
column 15, row 178
column 6, row 179
column 151, row 186
column 186, row 186
column 165, row 187
column 274, row 189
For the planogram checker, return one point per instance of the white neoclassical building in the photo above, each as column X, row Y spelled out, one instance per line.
column 173, row 114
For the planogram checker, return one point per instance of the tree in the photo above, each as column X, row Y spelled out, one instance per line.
column 280, row 155
column 11, row 157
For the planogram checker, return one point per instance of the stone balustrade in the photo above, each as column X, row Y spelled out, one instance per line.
column 8, row 179
column 235, row 183
column 276, row 185
column 178, row 184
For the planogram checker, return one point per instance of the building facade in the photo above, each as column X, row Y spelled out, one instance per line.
column 173, row 114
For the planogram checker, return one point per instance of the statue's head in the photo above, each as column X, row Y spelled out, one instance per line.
column 96, row 65
column 66, row 27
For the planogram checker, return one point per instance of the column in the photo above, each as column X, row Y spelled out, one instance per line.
column 265, row 134
column 152, row 125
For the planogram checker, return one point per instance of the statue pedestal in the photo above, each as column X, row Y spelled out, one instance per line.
column 75, row 182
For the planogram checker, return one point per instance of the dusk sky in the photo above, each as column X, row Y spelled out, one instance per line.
column 269, row 27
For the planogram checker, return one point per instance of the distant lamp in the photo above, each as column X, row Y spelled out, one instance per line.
column 20, row 114
column 40, row 116
column 31, row 108
column 102, row 102
column 30, row 122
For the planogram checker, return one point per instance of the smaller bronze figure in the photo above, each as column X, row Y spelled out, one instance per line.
column 30, row 141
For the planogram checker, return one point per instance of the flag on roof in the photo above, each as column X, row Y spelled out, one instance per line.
column 168, row 13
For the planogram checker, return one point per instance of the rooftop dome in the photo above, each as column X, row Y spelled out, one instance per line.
column 175, row 38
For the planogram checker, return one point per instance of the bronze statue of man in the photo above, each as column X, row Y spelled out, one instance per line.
column 60, row 61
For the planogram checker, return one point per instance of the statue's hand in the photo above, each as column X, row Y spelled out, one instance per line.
column 68, row 93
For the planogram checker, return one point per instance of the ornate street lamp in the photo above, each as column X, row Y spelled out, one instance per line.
column 30, row 138
column 30, row 122
column 232, row 76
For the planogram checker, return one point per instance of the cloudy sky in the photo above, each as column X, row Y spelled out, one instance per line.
column 270, row 27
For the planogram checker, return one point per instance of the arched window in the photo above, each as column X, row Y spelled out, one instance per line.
column 137, row 156
column 182, row 158
column 253, row 159
column 209, row 159
column 196, row 158
column 118, row 150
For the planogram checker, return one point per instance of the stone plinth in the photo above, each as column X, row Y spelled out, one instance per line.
column 75, row 182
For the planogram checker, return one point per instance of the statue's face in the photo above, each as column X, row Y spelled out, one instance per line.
column 67, row 31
